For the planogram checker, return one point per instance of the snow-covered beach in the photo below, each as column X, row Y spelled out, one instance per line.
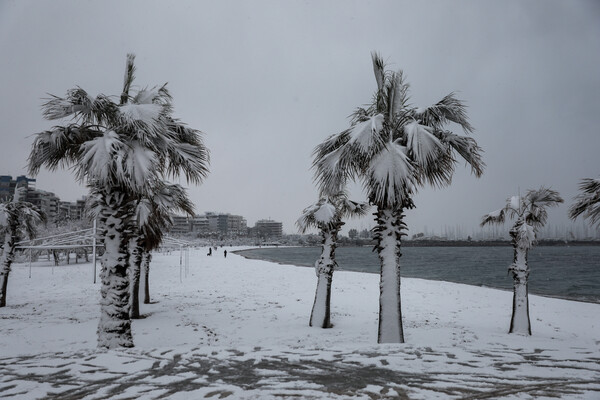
column 238, row 328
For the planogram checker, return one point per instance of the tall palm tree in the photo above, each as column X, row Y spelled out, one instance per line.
column 120, row 149
column 394, row 148
column 327, row 214
column 152, row 219
column 17, row 217
column 530, row 213
column 587, row 202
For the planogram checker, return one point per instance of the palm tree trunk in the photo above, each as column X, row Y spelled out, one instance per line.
column 388, row 234
column 520, row 322
column 114, row 328
column 135, row 262
column 321, row 312
column 8, row 255
column 147, row 257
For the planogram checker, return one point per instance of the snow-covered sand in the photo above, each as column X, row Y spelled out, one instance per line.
column 238, row 328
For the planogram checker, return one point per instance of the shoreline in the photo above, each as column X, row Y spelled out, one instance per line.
column 241, row 251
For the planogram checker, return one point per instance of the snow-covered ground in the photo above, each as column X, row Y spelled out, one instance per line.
column 238, row 328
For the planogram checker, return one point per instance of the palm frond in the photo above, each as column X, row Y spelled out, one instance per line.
column 587, row 202
column 320, row 214
column 378, row 69
column 366, row 135
column 390, row 176
column 102, row 160
column 187, row 159
column 537, row 203
column 449, row 109
column 423, row 147
column 172, row 197
column 495, row 217
column 524, row 234
column 353, row 209
column 466, row 147
column 139, row 164
column 397, row 94
column 60, row 146
column 330, row 164
column 129, row 77
column 144, row 121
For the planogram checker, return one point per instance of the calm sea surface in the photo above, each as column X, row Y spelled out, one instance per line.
column 561, row 271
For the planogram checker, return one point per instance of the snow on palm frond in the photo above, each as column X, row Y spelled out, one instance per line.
column 495, row 217
column 325, row 213
column 354, row 208
column 537, row 203
column 514, row 203
column 157, row 95
column 139, row 164
column 365, row 134
column 77, row 100
column 60, row 146
column 147, row 114
column 530, row 209
column 101, row 159
column 449, row 109
column 331, row 172
column 144, row 119
column 143, row 211
column 422, row 146
column 78, row 104
column 587, row 202
column 307, row 218
column 329, row 211
column 390, row 176
column 525, row 235
column 145, row 96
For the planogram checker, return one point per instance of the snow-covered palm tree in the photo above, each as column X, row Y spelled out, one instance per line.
column 326, row 215
column 17, row 217
column 587, row 202
column 152, row 219
column 119, row 148
column 394, row 148
column 530, row 213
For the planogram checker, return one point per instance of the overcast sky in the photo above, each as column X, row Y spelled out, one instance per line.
column 268, row 80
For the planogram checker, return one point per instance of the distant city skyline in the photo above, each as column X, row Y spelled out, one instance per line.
column 268, row 80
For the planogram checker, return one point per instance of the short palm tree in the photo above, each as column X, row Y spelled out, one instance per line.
column 587, row 202
column 152, row 219
column 530, row 213
column 17, row 217
column 326, row 215
column 394, row 148
column 120, row 149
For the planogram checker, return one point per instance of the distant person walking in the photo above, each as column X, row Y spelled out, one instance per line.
column 209, row 251
column 225, row 253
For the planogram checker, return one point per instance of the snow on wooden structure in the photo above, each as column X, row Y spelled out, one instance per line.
column 83, row 238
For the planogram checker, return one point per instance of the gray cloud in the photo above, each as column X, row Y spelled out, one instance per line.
column 268, row 80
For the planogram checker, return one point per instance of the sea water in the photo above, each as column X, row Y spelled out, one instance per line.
column 571, row 272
